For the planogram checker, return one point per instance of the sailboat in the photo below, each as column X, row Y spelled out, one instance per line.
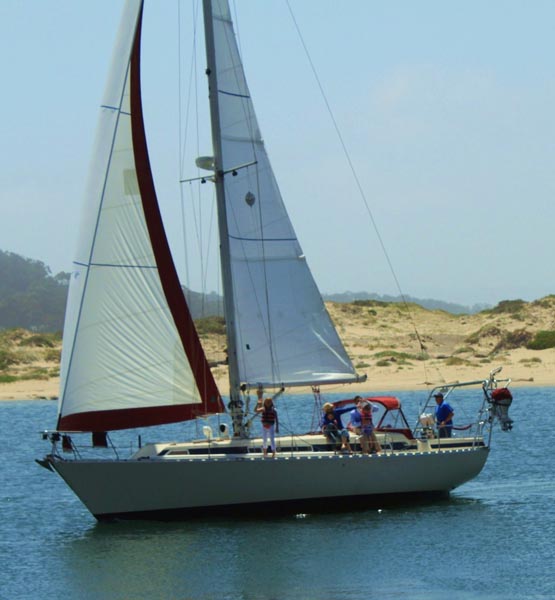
column 132, row 357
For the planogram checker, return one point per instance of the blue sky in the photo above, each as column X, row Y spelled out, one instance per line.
column 446, row 108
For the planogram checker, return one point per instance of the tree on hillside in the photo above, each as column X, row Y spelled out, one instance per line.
column 30, row 296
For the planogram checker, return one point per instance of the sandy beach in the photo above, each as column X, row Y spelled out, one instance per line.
column 380, row 379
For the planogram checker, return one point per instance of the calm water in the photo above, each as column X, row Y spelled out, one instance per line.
column 494, row 539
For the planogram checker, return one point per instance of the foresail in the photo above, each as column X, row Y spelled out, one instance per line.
column 131, row 356
column 283, row 331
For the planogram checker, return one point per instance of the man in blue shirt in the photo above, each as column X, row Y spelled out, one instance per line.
column 444, row 416
column 332, row 425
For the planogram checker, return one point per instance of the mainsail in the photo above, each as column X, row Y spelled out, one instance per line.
column 282, row 331
column 131, row 355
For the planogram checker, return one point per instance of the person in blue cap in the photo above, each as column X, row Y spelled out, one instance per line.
column 444, row 416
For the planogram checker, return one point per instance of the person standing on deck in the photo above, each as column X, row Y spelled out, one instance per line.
column 270, row 423
column 444, row 416
column 361, row 423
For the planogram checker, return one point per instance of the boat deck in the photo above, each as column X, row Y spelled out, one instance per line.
column 308, row 446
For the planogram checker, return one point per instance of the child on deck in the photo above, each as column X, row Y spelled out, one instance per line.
column 361, row 423
column 270, row 423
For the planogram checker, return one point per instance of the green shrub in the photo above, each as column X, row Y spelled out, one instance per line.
column 52, row 355
column 547, row 302
column 401, row 357
column 369, row 303
column 542, row 340
column 514, row 339
column 484, row 332
column 42, row 340
column 456, row 361
column 15, row 334
column 7, row 378
column 528, row 361
column 35, row 374
column 210, row 325
column 6, row 359
column 508, row 306
column 463, row 350
column 392, row 354
column 383, row 363
column 348, row 309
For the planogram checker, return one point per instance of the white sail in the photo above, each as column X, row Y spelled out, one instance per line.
column 122, row 354
column 283, row 332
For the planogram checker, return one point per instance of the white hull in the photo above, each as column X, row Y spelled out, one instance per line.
column 177, row 487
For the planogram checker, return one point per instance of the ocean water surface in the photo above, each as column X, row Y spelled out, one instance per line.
column 494, row 538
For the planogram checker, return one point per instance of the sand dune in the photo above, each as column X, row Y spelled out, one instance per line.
column 397, row 347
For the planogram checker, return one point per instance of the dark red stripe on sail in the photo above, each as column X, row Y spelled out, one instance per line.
column 110, row 420
column 168, row 275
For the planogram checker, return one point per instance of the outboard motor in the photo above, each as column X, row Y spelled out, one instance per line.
column 501, row 400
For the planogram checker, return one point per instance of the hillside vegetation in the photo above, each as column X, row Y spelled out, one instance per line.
column 380, row 337
column 30, row 296
column 25, row 355
column 378, row 333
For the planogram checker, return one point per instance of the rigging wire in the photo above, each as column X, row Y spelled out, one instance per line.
column 195, row 197
column 356, row 179
column 208, row 246
column 180, row 126
column 236, row 28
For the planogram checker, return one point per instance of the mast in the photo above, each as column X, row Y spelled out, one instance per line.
column 235, row 403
